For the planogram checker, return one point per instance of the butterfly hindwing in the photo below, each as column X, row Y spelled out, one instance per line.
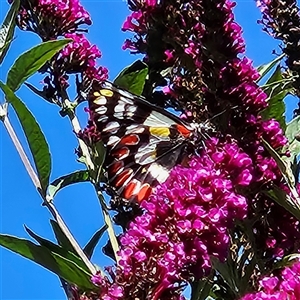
column 143, row 141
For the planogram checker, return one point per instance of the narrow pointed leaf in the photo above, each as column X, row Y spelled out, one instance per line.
column 39, row 92
column 31, row 61
column 63, row 181
column 285, row 168
column 7, row 29
column 59, row 265
column 57, row 249
column 133, row 78
column 61, row 237
column 226, row 271
column 90, row 246
column 276, row 88
column 279, row 196
column 98, row 156
column 287, row 261
column 282, row 165
column 293, row 133
column 35, row 138
column 293, row 129
column 201, row 289
column 264, row 69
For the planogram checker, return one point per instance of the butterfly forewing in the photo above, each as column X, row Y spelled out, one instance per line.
column 143, row 141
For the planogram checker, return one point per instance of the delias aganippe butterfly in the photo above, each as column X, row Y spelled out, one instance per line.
column 143, row 142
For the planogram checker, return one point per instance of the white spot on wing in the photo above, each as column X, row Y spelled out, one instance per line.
column 125, row 94
column 103, row 118
column 113, row 140
column 100, row 101
column 157, row 119
column 112, row 126
column 120, row 107
column 135, row 129
column 132, row 127
column 145, row 154
column 159, row 172
column 107, row 85
column 126, row 100
column 130, row 108
column 119, row 115
column 101, row 110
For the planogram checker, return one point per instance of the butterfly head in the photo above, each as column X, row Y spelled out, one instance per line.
column 200, row 132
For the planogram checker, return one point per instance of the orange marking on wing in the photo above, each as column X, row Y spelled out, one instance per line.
column 121, row 179
column 131, row 189
column 183, row 130
column 115, row 167
column 131, row 139
column 120, row 153
column 144, row 192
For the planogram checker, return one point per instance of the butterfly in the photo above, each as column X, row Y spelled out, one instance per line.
column 143, row 142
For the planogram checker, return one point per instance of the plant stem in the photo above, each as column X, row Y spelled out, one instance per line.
column 110, row 229
column 47, row 202
column 23, row 156
column 90, row 165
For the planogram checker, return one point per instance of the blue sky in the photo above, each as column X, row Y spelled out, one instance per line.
column 20, row 203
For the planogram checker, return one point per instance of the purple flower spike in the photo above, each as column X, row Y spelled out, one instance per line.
column 52, row 18
column 283, row 285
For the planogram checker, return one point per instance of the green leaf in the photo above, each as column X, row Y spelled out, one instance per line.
column 264, row 69
column 279, row 196
column 90, row 246
column 98, row 156
column 7, row 29
column 63, row 181
column 52, row 261
column 227, row 271
column 282, row 165
column 58, row 249
column 287, row 173
column 98, row 153
column 201, row 289
column 287, row 261
column 31, row 61
column 133, row 78
column 292, row 133
column 61, row 237
column 293, row 129
column 276, row 88
column 35, row 138
column 40, row 93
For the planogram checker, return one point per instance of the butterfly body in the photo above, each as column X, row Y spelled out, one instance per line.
column 143, row 141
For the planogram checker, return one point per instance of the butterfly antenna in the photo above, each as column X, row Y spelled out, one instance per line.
column 220, row 113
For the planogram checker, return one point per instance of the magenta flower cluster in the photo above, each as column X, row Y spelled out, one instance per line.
column 52, row 19
column 240, row 90
column 283, row 285
column 184, row 222
column 235, row 87
column 235, row 77
column 68, row 12
column 109, row 291
column 81, row 56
